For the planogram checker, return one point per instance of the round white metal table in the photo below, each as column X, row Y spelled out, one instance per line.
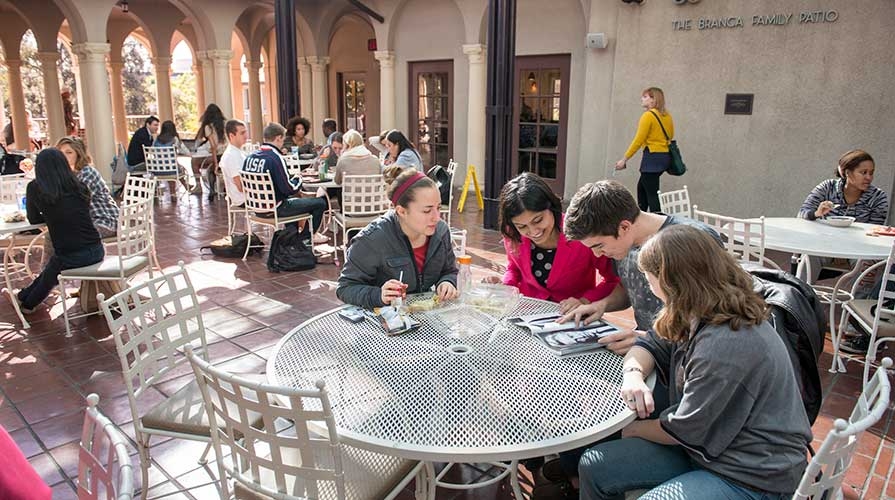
column 7, row 231
column 791, row 234
column 800, row 236
column 496, row 396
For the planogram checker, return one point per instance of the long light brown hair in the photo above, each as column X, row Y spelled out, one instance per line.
column 657, row 94
column 702, row 283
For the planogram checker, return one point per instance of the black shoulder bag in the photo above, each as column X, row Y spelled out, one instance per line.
column 677, row 163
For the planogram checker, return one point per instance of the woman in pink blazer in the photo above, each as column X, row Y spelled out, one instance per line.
column 541, row 263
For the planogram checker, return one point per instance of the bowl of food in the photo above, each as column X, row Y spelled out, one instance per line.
column 839, row 220
column 307, row 156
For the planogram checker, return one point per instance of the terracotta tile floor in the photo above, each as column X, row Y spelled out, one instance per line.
column 44, row 377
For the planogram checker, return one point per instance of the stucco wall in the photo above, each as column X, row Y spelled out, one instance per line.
column 348, row 53
column 820, row 89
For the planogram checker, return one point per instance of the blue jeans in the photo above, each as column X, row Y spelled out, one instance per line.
column 36, row 292
column 609, row 469
column 296, row 206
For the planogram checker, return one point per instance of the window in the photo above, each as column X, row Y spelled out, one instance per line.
column 431, row 127
column 540, row 116
column 352, row 97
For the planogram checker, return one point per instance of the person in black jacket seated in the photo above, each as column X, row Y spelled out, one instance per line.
column 56, row 197
column 136, row 159
column 268, row 159
column 411, row 239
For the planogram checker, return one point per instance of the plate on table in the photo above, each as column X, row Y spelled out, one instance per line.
column 838, row 220
column 883, row 231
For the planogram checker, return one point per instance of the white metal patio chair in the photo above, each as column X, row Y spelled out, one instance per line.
column 135, row 189
column 133, row 243
column 824, row 474
column 161, row 163
column 363, row 200
column 876, row 316
column 297, row 453
column 676, row 202
column 105, row 471
column 261, row 199
column 234, row 212
column 13, row 244
column 294, row 164
column 151, row 323
column 743, row 238
column 445, row 210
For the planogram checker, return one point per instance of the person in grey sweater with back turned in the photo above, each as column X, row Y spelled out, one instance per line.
column 411, row 239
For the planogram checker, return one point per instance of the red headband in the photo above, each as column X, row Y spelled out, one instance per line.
column 405, row 186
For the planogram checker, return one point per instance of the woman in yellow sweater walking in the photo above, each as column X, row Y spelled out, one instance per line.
column 654, row 142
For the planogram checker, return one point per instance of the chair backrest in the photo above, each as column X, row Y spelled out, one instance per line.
column 827, row 468
column 743, row 238
column 8, row 185
column 364, row 196
column 676, row 202
column 293, row 165
column 151, row 323
column 307, row 461
column 105, row 470
column 161, row 160
column 135, row 229
column 261, row 197
column 139, row 188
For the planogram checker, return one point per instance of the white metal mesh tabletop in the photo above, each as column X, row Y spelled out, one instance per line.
column 506, row 397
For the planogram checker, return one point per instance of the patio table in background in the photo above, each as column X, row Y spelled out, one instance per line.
column 498, row 396
column 8, row 231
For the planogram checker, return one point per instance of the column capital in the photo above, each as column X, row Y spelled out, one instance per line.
column 115, row 65
column 91, row 51
column 303, row 64
column 162, row 61
column 254, row 65
column 220, row 56
column 386, row 58
column 318, row 63
column 475, row 52
column 48, row 57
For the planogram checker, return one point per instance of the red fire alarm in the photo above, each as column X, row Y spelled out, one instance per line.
column 371, row 44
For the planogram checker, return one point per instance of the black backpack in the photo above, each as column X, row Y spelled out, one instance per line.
column 798, row 316
column 288, row 251
column 234, row 246
column 443, row 181
column 9, row 162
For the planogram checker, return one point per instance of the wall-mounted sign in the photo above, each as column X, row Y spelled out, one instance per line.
column 738, row 104
column 772, row 19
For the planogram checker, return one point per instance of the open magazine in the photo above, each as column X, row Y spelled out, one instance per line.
column 565, row 338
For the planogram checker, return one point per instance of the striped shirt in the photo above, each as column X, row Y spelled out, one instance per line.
column 872, row 207
column 103, row 210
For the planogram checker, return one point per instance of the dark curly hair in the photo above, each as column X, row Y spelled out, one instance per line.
column 297, row 120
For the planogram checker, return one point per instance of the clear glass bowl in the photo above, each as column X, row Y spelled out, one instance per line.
column 495, row 300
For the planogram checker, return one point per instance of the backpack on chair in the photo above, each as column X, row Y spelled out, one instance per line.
column 443, row 181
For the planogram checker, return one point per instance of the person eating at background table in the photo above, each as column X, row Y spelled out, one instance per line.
column 409, row 240
column 541, row 262
column 736, row 426
column 286, row 188
column 401, row 152
column 853, row 194
column 297, row 136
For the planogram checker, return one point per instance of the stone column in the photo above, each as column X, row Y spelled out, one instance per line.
column 236, row 85
column 256, row 121
column 200, row 85
column 2, row 110
column 207, row 79
column 97, row 103
column 220, row 58
column 76, row 69
column 163, row 87
column 119, row 117
column 17, row 104
column 270, row 80
column 386, row 60
column 475, row 124
column 318, row 93
column 52, row 96
column 305, row 93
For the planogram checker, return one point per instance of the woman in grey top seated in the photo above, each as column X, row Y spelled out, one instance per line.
column 410, row 240
column 402, row 152
column 736, row 427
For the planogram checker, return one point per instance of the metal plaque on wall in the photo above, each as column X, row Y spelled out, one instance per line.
column 738, row 104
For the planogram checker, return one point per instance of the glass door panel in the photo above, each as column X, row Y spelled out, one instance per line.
column 430, row 127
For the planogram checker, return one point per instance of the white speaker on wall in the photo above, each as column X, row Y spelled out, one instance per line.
column 597, row 41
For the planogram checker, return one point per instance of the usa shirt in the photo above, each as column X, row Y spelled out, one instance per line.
column 268, row 159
